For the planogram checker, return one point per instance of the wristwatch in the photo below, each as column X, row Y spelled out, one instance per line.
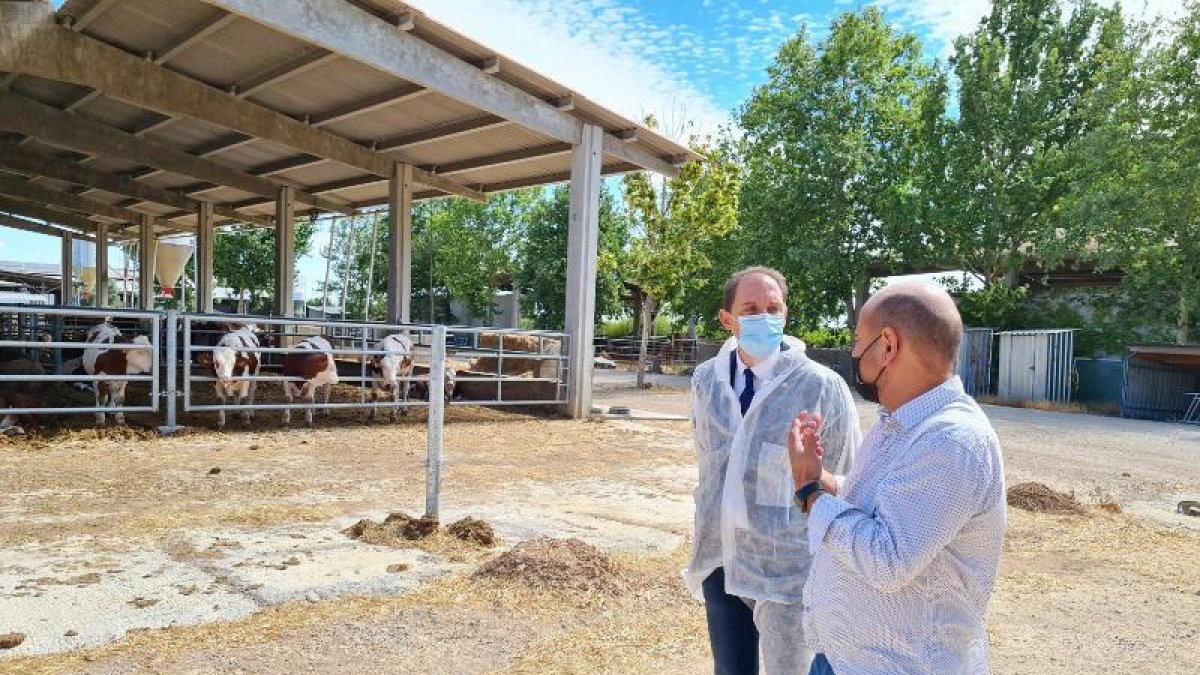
column 807, row 490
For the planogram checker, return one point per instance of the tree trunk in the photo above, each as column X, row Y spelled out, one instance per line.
column 1182, row 333
column 642, row 351
column 855, row 300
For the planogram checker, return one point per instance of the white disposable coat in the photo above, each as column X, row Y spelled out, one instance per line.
column 746, row 518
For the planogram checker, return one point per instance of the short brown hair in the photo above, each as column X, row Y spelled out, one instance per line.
column 735, row 279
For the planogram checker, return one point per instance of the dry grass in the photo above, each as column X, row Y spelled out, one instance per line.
column 655, row 627
column 1107, row 410
column 264, row 515
column 1141, row 547
column 650, row 626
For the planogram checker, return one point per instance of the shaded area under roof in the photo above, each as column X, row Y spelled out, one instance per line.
column 111, row 109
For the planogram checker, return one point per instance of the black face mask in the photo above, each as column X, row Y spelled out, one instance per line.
column 868, row 390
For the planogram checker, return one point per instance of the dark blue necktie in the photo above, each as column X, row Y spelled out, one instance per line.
column 747, row 393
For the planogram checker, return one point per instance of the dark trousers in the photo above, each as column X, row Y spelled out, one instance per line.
column 731, row 631
column 820, row 666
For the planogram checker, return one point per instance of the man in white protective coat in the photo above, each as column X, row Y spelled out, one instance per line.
column 750, row 556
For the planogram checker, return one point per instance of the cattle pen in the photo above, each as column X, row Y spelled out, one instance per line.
column 130, row 122
column 456, row 366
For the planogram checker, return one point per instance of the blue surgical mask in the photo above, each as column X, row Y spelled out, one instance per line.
column 760, row 335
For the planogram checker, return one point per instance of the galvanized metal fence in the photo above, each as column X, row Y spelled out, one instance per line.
column 662, row 352
column 974, row 365
column 48, row 335
column 1158, row 391
column 486, row 367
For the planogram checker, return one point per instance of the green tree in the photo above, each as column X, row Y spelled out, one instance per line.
column 542, row 277
column 1024, row 78
column 832, row 149
column 674, row 220
column 1135, row 189
column 462, row 250
column 244, row 259
column 673, row 224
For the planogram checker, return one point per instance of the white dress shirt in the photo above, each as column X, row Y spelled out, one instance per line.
column 762, row 373
column 905, row 558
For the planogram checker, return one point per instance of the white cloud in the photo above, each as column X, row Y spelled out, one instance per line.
column 603, row 49
column 948, row 19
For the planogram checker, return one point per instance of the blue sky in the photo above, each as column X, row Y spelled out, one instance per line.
column 691, row 60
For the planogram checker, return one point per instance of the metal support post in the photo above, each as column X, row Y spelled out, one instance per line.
column 101, row 297
column 66, row 292
column 204, row 258
column 583, row 239
column 172, row 362
column 147, row 248
column 399, row 301
column 437, row 410
column 285, row 252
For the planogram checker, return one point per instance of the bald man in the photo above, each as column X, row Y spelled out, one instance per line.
column 905, row 556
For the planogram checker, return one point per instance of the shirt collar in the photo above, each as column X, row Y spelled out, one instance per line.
column 763, row 369
column 922, row 407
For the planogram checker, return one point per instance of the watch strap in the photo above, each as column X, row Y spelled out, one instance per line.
column 807, row 490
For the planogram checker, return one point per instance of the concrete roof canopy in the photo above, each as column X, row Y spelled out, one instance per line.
column 112, row 109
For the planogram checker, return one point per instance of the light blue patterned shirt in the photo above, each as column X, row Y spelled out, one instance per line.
column 905, row 559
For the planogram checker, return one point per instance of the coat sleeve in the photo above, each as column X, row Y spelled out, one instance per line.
column 841, row 434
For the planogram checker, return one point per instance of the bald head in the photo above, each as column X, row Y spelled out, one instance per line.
column 921, row 313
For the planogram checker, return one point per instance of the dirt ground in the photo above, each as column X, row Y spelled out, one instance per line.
column 121, row 551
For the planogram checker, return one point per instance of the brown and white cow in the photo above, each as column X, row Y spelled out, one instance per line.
column 235, row 355
column 420, row 388
column 101, row 360
column 316, row 367
column 391, row 371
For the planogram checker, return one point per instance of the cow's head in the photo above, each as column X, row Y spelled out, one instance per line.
column 224, row 360
column 448, row 387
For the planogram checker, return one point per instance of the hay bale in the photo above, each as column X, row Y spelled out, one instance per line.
column 1039, row 498
column 514, row 346
column 511, row 390
column 474, row 531
column 555, row 565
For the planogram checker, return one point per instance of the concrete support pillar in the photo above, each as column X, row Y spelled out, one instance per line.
column 101, row 298
column 399, row 300
column 285, row 251
column 147, row 250
column 66, row 292
column 583, row 240
column 204, row 257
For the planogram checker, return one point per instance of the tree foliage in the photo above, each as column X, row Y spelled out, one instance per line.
column 244, row 258
column 542, row 276
column 674, row 223
column 1024, row 78
column 831, row 151
column 462, row 250
column 1134, row 201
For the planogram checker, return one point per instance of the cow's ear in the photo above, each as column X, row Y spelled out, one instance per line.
column 204, row 358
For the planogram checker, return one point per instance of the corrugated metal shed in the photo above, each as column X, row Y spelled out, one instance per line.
column 1158, row 379
column 22, row 298
column 1036, row 365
